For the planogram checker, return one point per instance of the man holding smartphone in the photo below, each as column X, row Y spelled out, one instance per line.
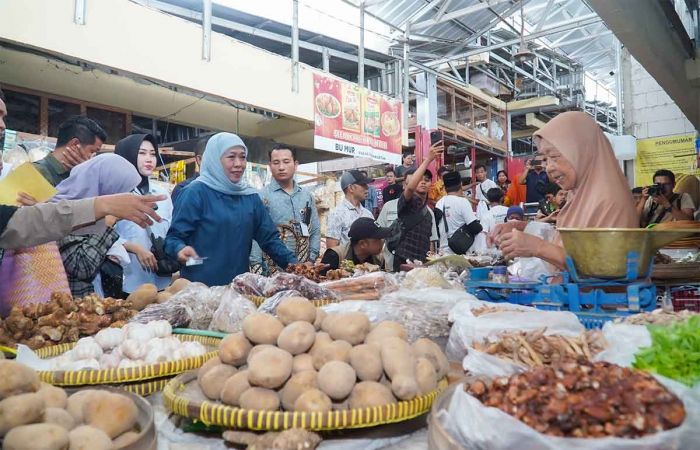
column 533, row 176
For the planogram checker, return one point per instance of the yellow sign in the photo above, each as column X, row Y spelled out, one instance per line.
column 25, row 179
column 675, row 153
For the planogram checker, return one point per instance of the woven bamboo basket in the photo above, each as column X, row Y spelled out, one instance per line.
column 143, row 380
column 259, row 300
column 183, row 397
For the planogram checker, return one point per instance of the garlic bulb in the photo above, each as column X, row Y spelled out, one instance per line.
column 157, row 355
column 193, row 349
column 110, row 360
column 61, row 362
column 160, row 328
column 127, row 363
column 139, row 332
column 132, row 349
column 109, row 338
column 86, row 348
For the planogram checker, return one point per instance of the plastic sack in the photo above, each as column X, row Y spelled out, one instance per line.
column 425, row 277
column 233, row 308
column 192, row 307
column 249, row 284
column 530, row 269
column 366, row 287
column 479, row 427
column 270, row 305
column 481, row 364
column 624, row 341
column 282, row 281
column 467, row 328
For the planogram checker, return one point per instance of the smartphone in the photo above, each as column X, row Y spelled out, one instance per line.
column 436, row 136
column 536, row 162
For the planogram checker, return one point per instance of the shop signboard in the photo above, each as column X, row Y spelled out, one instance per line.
column 356, row 122
column 676, row 153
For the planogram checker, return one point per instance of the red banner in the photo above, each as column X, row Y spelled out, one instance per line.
column 356, row 122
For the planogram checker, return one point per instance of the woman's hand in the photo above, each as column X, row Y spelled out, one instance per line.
column 111, row 221
column 146, row 258
column 495, row 236
column 24, row 199
column 185, row 254
column 518, row 244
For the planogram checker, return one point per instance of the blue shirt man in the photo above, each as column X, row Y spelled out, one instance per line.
column 535, row 179
column 292, row 209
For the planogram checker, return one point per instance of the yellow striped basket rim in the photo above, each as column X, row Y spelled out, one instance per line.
column 259, row 300
column 126, row 375
column 211, row 413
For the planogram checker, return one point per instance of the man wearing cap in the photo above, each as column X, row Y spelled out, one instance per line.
column 355, row 187
column 457, row 212
column 365, row 245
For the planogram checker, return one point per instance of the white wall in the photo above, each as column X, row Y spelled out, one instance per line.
column 649, row 111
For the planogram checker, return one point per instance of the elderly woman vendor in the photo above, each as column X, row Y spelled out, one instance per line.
column 579, row 158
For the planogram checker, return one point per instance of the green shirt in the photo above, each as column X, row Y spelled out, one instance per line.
column 52, row 169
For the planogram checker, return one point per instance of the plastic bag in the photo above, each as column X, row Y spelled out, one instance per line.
column 479, row 427
column 249, row 284
column 467, row 328
column 282, row 281
column 481, row 364
column 233, row 308
column 425, row 277
column 270, row 305
column 366, row 287
column 624, row 341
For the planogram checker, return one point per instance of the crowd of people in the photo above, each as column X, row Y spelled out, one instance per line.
column 110, row 228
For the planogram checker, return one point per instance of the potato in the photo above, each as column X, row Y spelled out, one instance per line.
column 368, row 394
column 234, row 387
column 112, row 413
column 405, row 387
column 178, row 285
column 16, row 378
column 313, row 400
column 215, row 361
column 295, row 309
column 257, row 349
column 302, row 362
column 297, row 385
column 76, row 402
column 143, row 296
column 163, row 296
column 297, row 337
column 270, row 368
column 385, row 330
column 54, row 397
column 341, row 406
column 367, row 362
column 429, row 350
column 234, row 349
column 350, row 327
column 260, row 399
column 399, row 365
column 322, row 339
column 262, row 328
column 60, row 417
column 336, row 379
column 335, row 351
column 20, row 410
column 425, row 376
column 320, row 315
column 38, row 436
column 128, row 438
column 213, row 380
column 89, row 438
column 328, row 321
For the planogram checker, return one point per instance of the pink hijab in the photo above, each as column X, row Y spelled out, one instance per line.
column 602, row 198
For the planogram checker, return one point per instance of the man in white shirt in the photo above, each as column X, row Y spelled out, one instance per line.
column 495, row 212
column 482, row 185
column 355, row 187
column 457, row 211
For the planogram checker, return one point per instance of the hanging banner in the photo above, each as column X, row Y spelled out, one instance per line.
column 356, row 122
column 675, row 153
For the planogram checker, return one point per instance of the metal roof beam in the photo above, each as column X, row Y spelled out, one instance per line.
column 457, row 14
column 419, row 13
column 522, row 72
column 443, row 9
column 545, row 15
column 558, row 27
column 560, row 43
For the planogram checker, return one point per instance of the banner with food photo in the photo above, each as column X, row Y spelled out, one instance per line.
column 356, row 121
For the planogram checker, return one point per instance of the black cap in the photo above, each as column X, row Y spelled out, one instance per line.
column 442, row 170
column 366, row 228
column 452, row 180
column 353, row 177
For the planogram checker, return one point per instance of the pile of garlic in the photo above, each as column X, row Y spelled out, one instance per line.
column 133, row 345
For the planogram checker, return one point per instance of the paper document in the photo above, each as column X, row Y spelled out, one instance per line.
column 25, row 179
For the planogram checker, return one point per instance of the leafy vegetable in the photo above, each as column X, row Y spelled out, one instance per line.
column 674, row 351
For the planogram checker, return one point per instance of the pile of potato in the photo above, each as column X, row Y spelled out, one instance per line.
column 147, row 294
column 307, row 360
column 37, row 415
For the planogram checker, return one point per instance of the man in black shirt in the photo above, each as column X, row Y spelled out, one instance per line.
column 365, row 246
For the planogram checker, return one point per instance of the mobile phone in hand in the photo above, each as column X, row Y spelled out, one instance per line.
column 436, row 136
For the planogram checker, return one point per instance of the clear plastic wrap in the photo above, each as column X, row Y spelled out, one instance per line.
column 425, row 277
column 624, row 341
column 270, row 305
column 249, row 284
column 282, row 281
column 365, row 287
column 477, row 426
column 233, row 308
